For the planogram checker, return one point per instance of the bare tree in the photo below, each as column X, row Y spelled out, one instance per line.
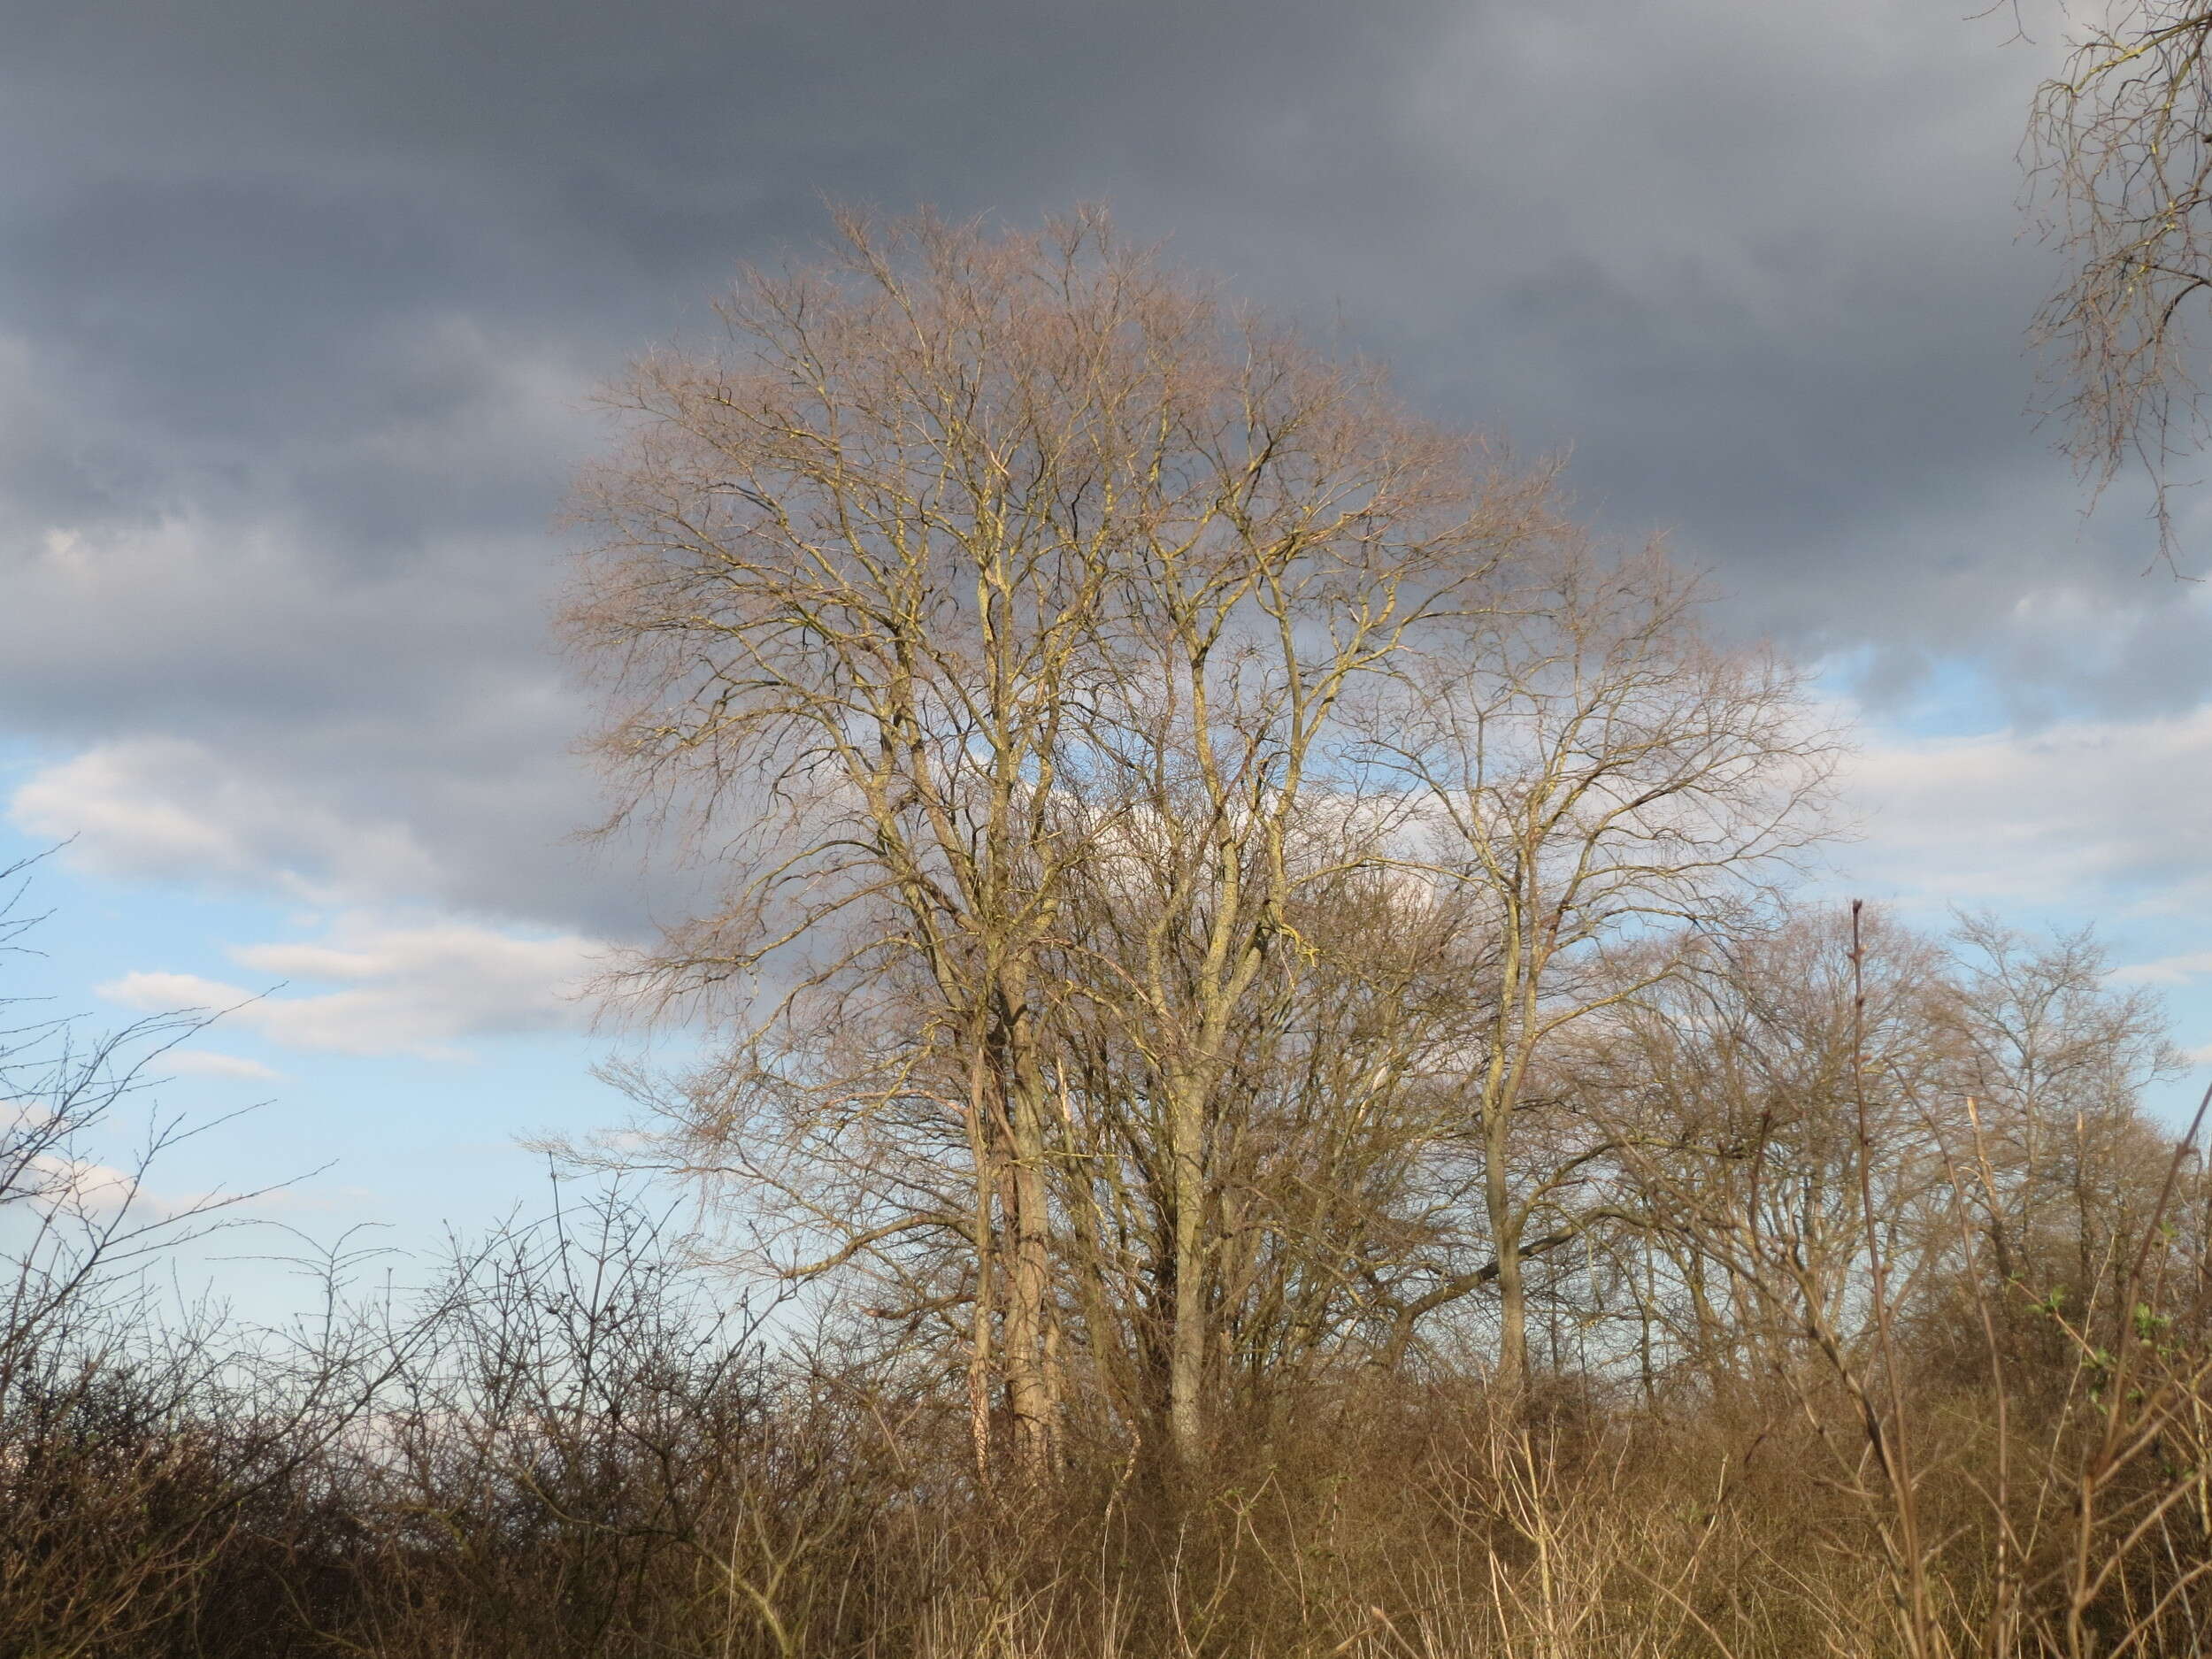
column 2121, row 145
column 1329, row 534
column 854, row 567
column 1591, row 771
column 2055, row 1060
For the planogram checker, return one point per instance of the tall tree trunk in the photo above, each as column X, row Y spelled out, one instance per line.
column 1025, row 1202
column 1029, row 1392
column 1187, row 1342
column 1505, row 1239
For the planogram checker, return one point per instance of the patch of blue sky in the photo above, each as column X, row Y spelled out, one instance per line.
column 2022, row 845
column 405, row 1146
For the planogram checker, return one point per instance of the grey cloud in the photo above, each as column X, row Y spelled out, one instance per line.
column 299, row 301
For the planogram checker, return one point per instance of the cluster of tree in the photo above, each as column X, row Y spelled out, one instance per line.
column 1223, row 885
column 1176, row 805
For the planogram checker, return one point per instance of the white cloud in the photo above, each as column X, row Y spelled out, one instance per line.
column 2083, row 810
column 421, row 989
column 2168, row 970
column 205, row 1063
column 58, row 1182
column 163, row 809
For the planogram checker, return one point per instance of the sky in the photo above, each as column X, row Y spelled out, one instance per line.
column 301, row 303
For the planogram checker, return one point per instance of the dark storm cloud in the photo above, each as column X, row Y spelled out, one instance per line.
column 298, row 303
